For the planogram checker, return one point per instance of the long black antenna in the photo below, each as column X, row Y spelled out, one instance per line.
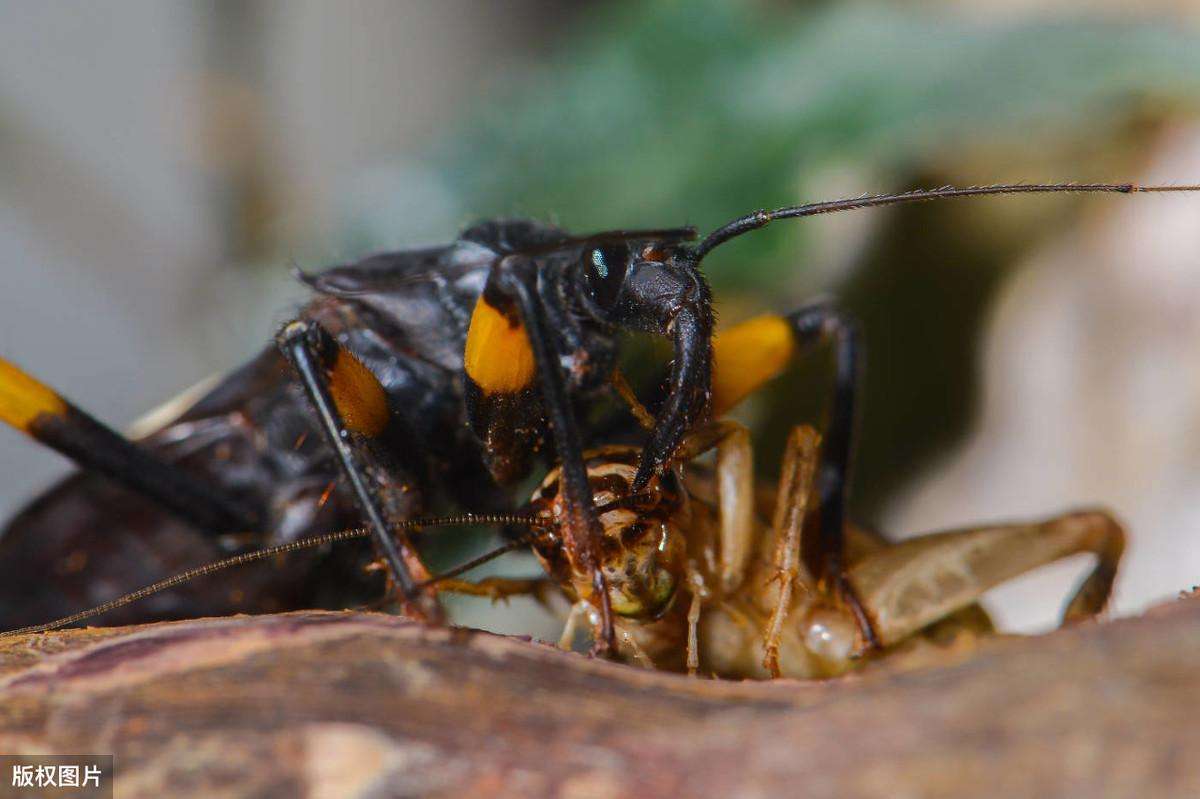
column 291, row 546
column 762, row 218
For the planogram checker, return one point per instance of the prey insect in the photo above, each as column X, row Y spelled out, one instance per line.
column 706, row 569
column 414, row 378
column 706, row 574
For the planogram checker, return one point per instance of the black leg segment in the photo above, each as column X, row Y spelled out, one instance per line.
column 311, row 352
column 812, row 325
column 584, row 524
column 38, row 411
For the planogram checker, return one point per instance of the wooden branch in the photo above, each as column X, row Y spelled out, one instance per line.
column 352, row 704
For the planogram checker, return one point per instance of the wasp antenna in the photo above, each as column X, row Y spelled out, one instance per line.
column 283, row 549
column 762, row 218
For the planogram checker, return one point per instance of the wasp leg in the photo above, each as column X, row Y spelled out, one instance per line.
column 583, row 526
column 811, row 325
column 38, row 411
column 791, row 506
column 351, row 408
column 909, row 585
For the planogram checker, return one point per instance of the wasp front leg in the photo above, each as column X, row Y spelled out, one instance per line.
column 352, row 411
column 510, row 322
column 910, row 585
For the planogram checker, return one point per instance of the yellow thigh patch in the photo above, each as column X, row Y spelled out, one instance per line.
column 358, row 395
column 748, row 355
column 498, row 356
column 23, row 399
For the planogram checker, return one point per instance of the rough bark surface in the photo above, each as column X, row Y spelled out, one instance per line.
column 366, row 705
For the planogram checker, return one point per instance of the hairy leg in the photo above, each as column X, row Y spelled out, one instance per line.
column 916, row 582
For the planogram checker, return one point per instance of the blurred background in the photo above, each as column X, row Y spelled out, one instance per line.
column 162, row 166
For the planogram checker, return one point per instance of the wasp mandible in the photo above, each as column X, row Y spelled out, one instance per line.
column 412, row 376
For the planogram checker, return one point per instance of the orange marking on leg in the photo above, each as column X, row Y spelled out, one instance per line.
column 748, row 355
column 359, row 396
column 23, row 399
column 498, row 356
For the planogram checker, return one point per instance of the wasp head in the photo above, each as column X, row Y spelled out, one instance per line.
column 655, row 287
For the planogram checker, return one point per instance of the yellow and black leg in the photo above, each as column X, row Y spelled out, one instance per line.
column 352, row 409
column 518, row 289
column 748, row 356
column 40, row 412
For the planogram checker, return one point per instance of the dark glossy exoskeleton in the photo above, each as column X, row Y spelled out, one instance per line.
column 419, row 426
column 409, row 378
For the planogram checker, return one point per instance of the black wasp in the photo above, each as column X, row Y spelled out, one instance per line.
column 410, row 377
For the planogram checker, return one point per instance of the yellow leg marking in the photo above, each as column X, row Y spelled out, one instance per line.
column 746, row 356
column 358, row 395
column 498, row 356
column 23, row 399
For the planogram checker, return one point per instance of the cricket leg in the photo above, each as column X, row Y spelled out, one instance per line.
column 351, row 409
column 578, row 611
column 921, row 580
column 624, row 392
column 693, row 621
column 791, row 506
column 735, row 493
column 748, row 356
column 499, row 588
column 38, row 411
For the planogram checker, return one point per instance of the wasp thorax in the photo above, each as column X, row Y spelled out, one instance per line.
column 642, row 551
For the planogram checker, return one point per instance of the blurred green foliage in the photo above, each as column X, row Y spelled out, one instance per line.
column 654, row 114
column 694, row 112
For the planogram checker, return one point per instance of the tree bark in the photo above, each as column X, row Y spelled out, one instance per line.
column 358, row 705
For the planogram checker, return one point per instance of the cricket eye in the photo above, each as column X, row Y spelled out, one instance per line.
column 605, row 269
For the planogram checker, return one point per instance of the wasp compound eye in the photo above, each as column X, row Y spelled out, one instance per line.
column 605, row 268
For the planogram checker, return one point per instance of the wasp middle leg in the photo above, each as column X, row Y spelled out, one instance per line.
column 352, row 409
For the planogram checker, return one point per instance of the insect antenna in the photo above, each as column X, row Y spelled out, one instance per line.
column 632, row 501
column 282, row 549
column 759, row 219
column 491, row 555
